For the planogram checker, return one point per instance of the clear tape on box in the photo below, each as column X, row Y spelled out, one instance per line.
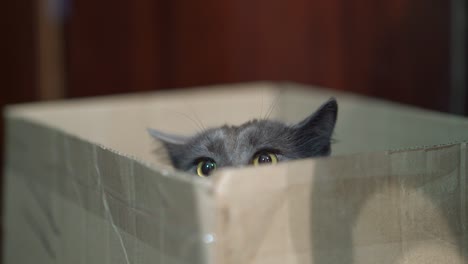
column 78, row 201
column 383, row 207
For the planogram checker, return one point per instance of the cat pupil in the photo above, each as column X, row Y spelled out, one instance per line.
column 263, row 158
column 208, row 167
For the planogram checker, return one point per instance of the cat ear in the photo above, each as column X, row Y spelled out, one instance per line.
column 315, row 131
column 322, row 122
column 167, row 138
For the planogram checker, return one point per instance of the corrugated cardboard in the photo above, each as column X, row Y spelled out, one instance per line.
column 86, row 184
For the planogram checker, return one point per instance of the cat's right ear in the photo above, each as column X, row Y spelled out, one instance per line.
column 313, row 135
column 167, row 138
column 322, row 122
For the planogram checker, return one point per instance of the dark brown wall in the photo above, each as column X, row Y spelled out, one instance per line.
column 18, row 52
column 111, row 47
column 397, row 50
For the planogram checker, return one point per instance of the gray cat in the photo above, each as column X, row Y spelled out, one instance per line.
column 256, row 142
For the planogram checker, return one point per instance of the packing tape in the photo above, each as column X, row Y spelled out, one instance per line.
column 463, row 199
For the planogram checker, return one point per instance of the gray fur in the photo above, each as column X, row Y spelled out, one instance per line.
column 236, row 145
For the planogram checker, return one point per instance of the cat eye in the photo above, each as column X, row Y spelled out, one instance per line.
column 205, row 167
column 264, row 158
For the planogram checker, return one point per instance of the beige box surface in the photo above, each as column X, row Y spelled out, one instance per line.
column 84, row 183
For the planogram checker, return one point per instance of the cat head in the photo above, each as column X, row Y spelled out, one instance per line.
column 255, row 142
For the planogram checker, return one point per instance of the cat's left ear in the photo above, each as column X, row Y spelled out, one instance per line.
column 167, row 138
column 321, row 123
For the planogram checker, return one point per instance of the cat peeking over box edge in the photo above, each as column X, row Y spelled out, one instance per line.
column 256, row 142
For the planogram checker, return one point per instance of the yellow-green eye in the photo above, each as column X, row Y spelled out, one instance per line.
column 264, row 158
column 206, row 167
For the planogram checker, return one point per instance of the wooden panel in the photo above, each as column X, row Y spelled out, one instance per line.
column 18, row 52
column 198, row 41
column 397, row 50
column 51, row 68
column 112, row 47
column 296, row 40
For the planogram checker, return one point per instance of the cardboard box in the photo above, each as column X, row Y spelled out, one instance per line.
column 84, row 184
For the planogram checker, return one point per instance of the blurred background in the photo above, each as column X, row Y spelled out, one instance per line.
column 409, row 51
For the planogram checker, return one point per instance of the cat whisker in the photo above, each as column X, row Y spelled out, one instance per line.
column 272, row 106
column 203, row 128
column 197, row 118
column 198, row 124
column 261, row 106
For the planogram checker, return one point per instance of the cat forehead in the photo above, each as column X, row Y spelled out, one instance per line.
column 249, row 129
column 236, row 144
column 227, row 138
